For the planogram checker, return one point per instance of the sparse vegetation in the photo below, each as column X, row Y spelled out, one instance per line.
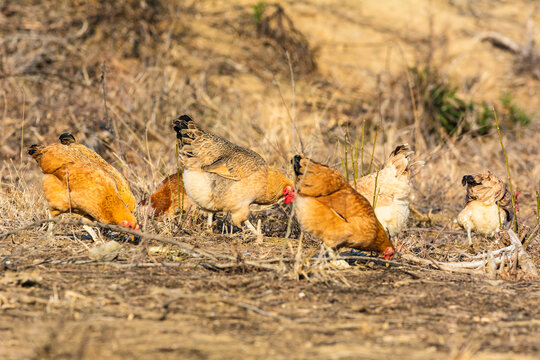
column 441, row 103
column 508, row 177
column 258, row 10
column 515, row 114
column 280, row 33
column 445, row 110
column 226, row 64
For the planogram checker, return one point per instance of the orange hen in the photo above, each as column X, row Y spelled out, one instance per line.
column 170, row 196
column 75, row 185
column 331, row 210
column 119, row 179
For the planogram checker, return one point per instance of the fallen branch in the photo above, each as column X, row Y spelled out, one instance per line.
column 501, row 41
column 527, row 59
column 438, row 265
column 489, row 259
column 483, row 254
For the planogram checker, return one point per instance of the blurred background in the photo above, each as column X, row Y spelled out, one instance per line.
column 431, row 73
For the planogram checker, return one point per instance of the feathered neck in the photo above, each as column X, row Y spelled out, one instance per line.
column 276, row 182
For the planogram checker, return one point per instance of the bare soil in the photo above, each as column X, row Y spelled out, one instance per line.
column 116, row 73
column 58, row 305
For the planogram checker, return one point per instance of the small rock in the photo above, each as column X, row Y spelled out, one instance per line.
column 106, row 252
column 340, row 264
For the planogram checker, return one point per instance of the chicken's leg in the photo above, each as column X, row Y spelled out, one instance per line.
column 469, row 235
column 259, row 233
column 50, row 227
column 92, row 234
column 253, row 229
column 210, row 220
column 332, row 256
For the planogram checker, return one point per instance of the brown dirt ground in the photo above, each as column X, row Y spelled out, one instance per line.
column 119, row 309
column 205, row 58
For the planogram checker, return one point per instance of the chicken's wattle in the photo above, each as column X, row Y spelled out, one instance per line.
column 288, row 192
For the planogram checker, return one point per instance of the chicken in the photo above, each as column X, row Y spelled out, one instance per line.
column 169, row 195
column 120, row 181
column 328, row 208
column 80, row 186
column 393, row 188
column 488, row 205
column 221, row 176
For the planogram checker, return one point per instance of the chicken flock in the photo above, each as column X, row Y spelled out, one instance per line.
column 219, row 176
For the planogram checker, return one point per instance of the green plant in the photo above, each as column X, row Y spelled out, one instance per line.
column 356, row 162
column 440, row 101
column 516, row 115
column 361, row 150
column 485, row 119
column 258, row 11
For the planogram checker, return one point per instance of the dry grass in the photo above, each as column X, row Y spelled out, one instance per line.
column 211, row 60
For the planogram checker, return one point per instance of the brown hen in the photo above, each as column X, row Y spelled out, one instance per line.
column 221, row 176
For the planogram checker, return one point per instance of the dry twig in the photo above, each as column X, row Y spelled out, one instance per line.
column 185, row 247
column 491, row 259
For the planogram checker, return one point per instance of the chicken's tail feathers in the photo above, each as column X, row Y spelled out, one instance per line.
column 186, row 132
column 297, row 164
column 35, row 151
column 487, row 188
column 144, row 201
column 469, row 180
column 186, row 129
column 182, row 123
column 67, row 139
column 402, row 159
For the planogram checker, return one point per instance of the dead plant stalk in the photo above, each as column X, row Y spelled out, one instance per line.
column 507, row 171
